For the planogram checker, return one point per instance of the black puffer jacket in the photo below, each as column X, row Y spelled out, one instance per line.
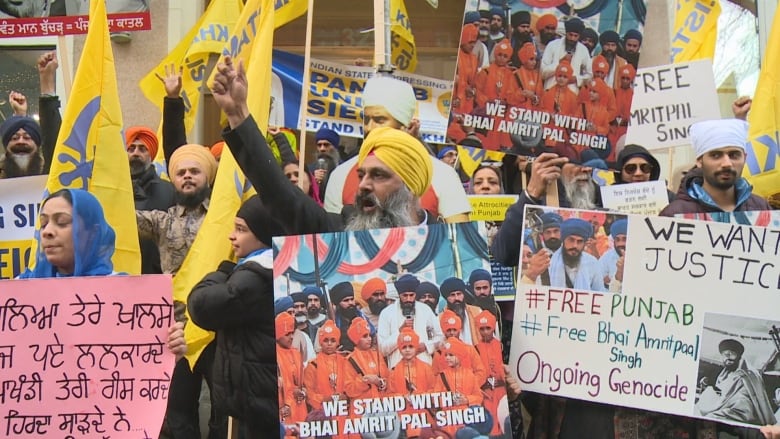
column 237, row 303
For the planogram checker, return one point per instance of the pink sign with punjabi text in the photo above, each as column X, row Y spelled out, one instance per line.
column 85, row 357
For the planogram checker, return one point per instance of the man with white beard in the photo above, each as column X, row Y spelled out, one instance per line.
column 576, row 189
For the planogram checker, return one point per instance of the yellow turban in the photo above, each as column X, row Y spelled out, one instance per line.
column 198, row 153
column 402, row 153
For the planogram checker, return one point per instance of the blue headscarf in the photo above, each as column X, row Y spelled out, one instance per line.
column 93, row 241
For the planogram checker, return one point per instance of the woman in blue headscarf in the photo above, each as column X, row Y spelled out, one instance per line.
column 75, row 239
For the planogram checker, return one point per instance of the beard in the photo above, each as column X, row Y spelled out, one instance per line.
column 632, row 58
column 552, row 243
column 523, row 37
column 349, row 313
column 394, row 212
column 486, row 303
column 609, row 55
column 193, row 199
column 22, row 165
column 313, row 312
column 546, row 37
column 570, row 46
column 571, row 260
column 300, row 317
column 580, row 196
column 458, row 308
column 722, row 185
column 620, row 249
column 137, row 166
column 376, row 306
column 407, row 308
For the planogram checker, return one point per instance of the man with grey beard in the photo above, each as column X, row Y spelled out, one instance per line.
column 576, row 189
column 394, row 170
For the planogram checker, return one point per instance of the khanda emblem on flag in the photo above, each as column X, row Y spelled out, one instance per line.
column 77, row 142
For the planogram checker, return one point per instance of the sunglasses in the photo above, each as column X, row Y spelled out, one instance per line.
column 631, row 168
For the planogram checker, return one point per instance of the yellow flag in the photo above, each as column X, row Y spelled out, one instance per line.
column 695, row 30
column 470, row 158
column 286, row 11
column 90, row 151
column 762, row 152
column 404, row 52
column 252, row 42
column 208, row 36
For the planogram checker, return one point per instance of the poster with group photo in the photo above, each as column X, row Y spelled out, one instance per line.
column 531, row 78
column 682, row 335
column 387, row 331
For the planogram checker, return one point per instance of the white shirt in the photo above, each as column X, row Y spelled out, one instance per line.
column 580, row 62
column 426, row 326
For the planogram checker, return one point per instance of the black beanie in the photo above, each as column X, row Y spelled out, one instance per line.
column 260, row 220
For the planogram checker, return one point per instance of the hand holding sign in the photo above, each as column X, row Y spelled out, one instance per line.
column 545, row 170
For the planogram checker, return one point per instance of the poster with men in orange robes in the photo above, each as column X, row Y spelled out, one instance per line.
column 539, row 76
column 389, row 331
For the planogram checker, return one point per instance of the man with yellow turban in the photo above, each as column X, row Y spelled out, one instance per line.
column 150, row 192
column 390, row 102
column 394, row 169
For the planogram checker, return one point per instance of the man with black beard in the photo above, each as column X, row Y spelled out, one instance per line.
column 570, row 49
column 374, row 293
column 521, row 34
column 570, row 266
column 547, row 26
column 496, row 30
column 454, row 291
column 481, row 283
column 302, row 323
column 342, row 296
column 428, row 293
column 407, row 312
column 612, row 260
column 314, row 310
column 610, row 41
column 29, row 146
column 150, row 192
column 632, row 43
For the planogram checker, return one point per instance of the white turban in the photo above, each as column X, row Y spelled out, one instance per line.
column 395, row 95
column 719, row 133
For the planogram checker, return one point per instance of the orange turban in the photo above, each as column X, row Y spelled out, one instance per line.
column 408, row 337
column 145, row 135
column 449, row 320
column 564, row 68
column 503, row 47
column 600, row 64
column 628, row 71
column 468, row 34
column 285, row 323
column 198, row 153
column 526, row 52
column 371, row 286
column 456, row 347
column 547, row 20
column 486, row 319
column 216, row 149
column 358, row 329
column 601, row 88
column 328, row 330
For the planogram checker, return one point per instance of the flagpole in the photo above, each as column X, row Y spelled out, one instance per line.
column 382, row 37
column 63, row 55
column 305, row 94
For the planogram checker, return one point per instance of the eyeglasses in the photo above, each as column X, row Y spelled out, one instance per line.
column 631, row 168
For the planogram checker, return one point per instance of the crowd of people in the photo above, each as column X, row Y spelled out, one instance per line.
column 354, row 342
column 556, row 70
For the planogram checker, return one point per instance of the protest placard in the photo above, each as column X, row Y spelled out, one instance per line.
column 18, row 213
column 662, row 110
column 646, row 198
column 85, row 356
column 661, row 345
column 492, row 210
column 335, row 96
column 392, row 379
column 554, row 95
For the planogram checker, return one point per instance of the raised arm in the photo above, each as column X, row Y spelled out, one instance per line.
column 49, row 115
column 174, row 133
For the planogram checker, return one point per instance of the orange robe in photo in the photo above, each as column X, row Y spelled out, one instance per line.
column 370, row 363
column 474, row 363
column 623, row 98
column 290, row 377
column 324, row 377
column 412, row 377
column 494, row 387
column 530, row 80
column 459, row 380
column 466, row 72
column 496, row 84
column 560, row 100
